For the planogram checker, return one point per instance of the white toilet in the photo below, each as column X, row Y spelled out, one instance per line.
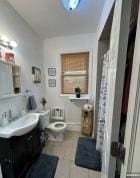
column 55, row 129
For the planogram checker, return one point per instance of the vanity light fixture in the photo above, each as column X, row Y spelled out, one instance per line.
column 71, row 5
column 4, row 38
column 5, row 42
column 13, row 44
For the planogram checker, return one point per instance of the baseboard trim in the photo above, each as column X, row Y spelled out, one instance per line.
column 73, row 127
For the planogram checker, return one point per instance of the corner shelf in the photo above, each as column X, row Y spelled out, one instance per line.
column 10, row 96
column 74, row 98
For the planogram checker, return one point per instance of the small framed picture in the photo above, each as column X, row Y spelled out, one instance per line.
column 10, row 57
column 52, row 82
column 52, row 71
column 36, row 72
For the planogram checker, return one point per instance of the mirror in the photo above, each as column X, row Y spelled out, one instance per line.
column 9, row 79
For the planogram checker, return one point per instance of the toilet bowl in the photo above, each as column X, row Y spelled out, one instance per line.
column 57, row 127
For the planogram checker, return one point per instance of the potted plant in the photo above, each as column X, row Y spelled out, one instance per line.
column 78, row 92
column 43, row 102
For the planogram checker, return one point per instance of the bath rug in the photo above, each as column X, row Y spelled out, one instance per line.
column 44, row 167
column 86, row 155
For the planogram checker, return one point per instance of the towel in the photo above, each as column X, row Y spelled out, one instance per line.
column 31, row 103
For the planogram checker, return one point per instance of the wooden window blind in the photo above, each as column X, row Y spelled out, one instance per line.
column 75, row 72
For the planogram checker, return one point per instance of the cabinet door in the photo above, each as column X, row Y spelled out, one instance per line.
column 6, row 159
column 19, row 153
column 19, row 157
column 29, row 146
column 33, row 143
column 36, row 141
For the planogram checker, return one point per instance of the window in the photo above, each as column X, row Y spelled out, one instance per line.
column 75, row 71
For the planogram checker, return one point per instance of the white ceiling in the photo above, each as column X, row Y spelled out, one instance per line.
column 49, row 19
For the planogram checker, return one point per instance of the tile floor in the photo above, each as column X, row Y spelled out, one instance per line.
column 66, row 150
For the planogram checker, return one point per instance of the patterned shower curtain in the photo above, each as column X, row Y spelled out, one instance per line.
column 102, row 103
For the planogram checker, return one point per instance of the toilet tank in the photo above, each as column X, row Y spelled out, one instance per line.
column 57, row 114
column 44, row 119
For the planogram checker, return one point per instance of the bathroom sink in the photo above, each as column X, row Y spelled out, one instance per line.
column 21, row 126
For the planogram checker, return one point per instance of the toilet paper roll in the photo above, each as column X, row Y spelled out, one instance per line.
column 88, row 107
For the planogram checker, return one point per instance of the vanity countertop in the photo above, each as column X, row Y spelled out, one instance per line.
column 20, row 126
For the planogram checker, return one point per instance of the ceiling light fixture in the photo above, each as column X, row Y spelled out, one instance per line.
column 71, row 4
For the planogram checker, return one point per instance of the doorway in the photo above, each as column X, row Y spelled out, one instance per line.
column 123, row 62
column 127, row 77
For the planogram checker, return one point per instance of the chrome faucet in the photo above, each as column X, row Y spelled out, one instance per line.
column 10, row 117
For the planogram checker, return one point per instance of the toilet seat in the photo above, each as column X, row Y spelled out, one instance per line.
column 57, row 126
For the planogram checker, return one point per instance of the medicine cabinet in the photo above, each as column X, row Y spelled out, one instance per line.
column 10, row 83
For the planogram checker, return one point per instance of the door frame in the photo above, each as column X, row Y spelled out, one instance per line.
column 121, row 21
column 133, row 115
column 118, row 48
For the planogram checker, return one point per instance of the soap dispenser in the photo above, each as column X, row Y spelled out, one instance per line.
column 3, row 120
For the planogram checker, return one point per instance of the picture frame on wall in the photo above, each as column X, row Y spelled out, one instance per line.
column 36, row 73
column 52, row 82
column 52, row 71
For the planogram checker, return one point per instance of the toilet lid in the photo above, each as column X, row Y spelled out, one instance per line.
column 58, row 126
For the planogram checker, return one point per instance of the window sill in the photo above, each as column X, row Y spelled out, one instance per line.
column 72, row 97
column 83, row 97
column 66, row 95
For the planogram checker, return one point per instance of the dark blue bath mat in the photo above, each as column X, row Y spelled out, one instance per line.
column 43, row 167
column 87, row 156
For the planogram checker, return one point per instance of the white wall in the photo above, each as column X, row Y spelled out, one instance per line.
column 52, row 49
column 28, row 53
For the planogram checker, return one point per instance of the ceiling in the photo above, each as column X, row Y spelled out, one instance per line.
column 49, row 19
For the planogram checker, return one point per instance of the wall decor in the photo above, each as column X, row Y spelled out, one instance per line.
column 36, row 72
column 52, row 82
column 52, row 71
column 10, row 57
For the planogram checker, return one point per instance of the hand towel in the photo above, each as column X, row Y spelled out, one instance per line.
column 31, row 104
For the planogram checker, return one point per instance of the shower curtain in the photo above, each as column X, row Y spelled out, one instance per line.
column 102, row 103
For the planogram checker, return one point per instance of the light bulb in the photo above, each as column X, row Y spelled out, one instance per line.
column 4, row 38
column 71, row 4
column 13, row 44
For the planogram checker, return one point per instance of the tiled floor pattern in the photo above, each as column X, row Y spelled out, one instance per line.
column 66, row 150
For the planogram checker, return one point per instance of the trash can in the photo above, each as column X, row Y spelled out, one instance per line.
column 87, row 120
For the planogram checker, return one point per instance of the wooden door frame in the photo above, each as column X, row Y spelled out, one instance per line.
column 133, row 116
column 122, row 13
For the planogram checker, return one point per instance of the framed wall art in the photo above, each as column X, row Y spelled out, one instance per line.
column 52, row 82
column 52, row 71
column 36, row 72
